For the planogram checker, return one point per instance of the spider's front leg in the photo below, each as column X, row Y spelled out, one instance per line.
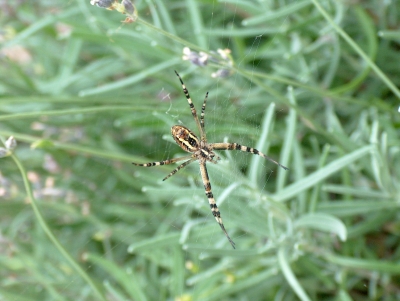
column 211, row 200
column 243, row 148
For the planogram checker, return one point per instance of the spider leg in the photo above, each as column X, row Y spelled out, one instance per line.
column 211, row 200
column 179, row 167
column 236, row 146
column 165, row 162
column 214, row 161
column 191, row 105
column 203, row 108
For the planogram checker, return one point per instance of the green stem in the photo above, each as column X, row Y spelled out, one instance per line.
column 171, row 36
column 51, row 236
column 97, row 109
column 69, row 147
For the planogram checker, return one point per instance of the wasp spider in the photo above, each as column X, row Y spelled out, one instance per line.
column 202, row 151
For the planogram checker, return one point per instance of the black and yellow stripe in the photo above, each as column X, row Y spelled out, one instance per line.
column 213, row 206
column 165, row 162
column 203, row 109
column 236, row 146
column 191, row 105
column 179, row 167
column 185, row 138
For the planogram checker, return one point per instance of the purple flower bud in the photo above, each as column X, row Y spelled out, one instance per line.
column 102, row 3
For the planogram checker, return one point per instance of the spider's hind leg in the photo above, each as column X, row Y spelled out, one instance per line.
column 167, row 162
column 184, row 164
column 211, row 200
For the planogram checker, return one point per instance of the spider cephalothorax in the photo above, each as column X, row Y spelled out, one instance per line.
column 202, row 151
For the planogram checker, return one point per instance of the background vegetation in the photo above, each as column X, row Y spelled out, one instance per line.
column 313, row 84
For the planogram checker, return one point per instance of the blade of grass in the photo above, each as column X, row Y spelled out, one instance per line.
column 364, row 193
column 171, row 36
column 345, row 208
column 155, row 242
column 169, row 24
column 318, row 176
column 62, row 112
column 282, row 12
column 243, row 32
column 262, row 145
column 131, row 79
column 389, row 34
column 365, row 264
column 154, row 13
column 357, row 49
column 197, row 22
column 71, row 147
column 178, row 272
column 366, row 24
column 290, row 276
column 317, row 189
column 288, row 141
column 323, row 222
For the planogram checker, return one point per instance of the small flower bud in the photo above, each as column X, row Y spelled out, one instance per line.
column 199, row 59
column 3, row 152
column 11, row 143
column 128, row 6
column 221, row 73
column 102, row 3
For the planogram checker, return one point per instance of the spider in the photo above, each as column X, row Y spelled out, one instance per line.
column 202, row 151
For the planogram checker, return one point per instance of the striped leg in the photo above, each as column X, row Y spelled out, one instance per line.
column 191, row 105
column 235, row 146
column 211, row 200
column 203, row 108
column 179, row 167
column 166, row 162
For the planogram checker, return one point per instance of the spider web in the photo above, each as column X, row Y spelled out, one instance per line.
column 229, row 179
column 221, row 180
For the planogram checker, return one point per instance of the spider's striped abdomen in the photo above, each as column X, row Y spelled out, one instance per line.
column 185, row 138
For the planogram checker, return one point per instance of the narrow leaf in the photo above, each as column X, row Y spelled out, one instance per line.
column 323, row 222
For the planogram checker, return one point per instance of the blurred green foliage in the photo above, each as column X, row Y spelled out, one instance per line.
column 311, row 83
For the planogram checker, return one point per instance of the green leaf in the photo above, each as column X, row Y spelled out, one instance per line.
column 365, row 264
column 287, row 271
column 323, row 222
column 43, row 143
column 321, row 174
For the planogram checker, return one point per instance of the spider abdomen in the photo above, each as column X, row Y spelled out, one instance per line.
column 185, row 138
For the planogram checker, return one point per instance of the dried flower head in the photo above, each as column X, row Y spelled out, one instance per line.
column 4, row 152
column 221, row 57
column 197, row 58
column 103, row 3
column 11, row 143
column 221, row 73
column 125, row 7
